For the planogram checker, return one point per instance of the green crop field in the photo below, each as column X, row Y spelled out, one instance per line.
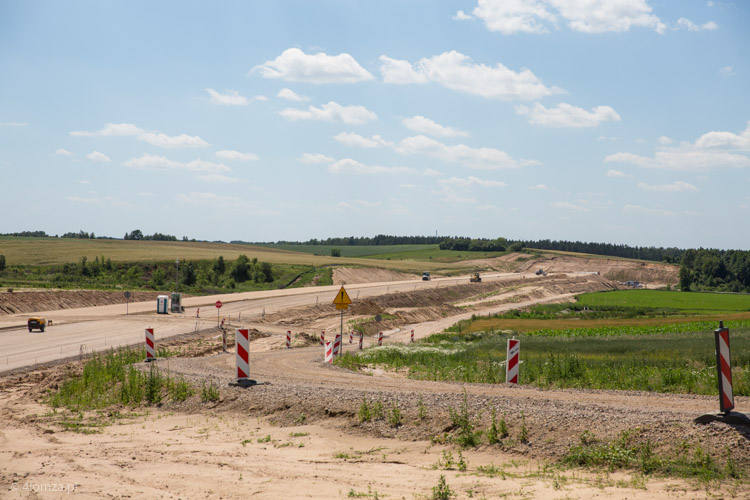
column 348, row 251
column 689, row 302
column 431, row 253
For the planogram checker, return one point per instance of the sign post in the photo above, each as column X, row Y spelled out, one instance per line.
column 127, row 300
column 218, row 306
column 342, row 302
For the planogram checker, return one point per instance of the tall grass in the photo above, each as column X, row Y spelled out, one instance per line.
column 676, row 363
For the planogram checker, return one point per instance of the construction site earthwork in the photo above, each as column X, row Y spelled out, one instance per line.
column 394, row 389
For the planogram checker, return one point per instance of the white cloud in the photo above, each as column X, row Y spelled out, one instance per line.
column 291, row 95
column 675, row 187
column 727, row 71
column 152, row 137
column 13, row 124
column 315, row 158
column 231, row 98
column 260, row 98
column 480, row 158
column 676, row 159
column 349, row 166
column 457, row 72
column 664, row 140
column 644, row 210
column 154, row 162
column 218, row 178
column 568, row 206
column 331, row 112
column 539, row 187
column 691, row 26
column 591, row 16
column 97, row 156
column 78, row 199
column 226, row 154
column 616, row 173
column 727, row 140
column 513, row 16
column 565, row 115
column 63, row 152
column 449, row 195
column 471, row 181
column 423, row 125
column 293, row 65
column 356, row 140
column 461, row 16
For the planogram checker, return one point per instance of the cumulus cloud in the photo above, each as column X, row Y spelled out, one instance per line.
column 456, row 71
column 683, row 23
column 616, row 173
column 664, row 140
column 331, row 112
column 350, row 166
column 63, row 152
column 568, row 206
column 677, row 159
column 218, row 178
column 231, row 98
column 479, row 158
column 423, row 125
column 593, row 16
column 727, row 71
column 294, row 65
column 726, row 140
column 226, row 154
column 97, row 156
column 645, row 210
column 315, row 158
column 356, row 140
column 155, row 162
column 291, row 95
column 152, row 137
column 471, row 181
column 13, row 124
column 461, row 16
column 675, row 187
column 539, row 187
column 567, row 116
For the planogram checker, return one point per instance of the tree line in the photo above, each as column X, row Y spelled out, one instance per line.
column 721, row 270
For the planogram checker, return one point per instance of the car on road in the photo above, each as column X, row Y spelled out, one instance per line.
column 426, row 276
column 36, row 323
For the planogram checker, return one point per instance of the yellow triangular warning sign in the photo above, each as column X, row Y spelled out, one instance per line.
column 342, row 298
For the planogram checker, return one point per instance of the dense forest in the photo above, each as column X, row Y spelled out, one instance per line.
column 657, row 254
column 722, row 270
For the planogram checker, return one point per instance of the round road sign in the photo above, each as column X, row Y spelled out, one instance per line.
column 378, row 318
column 127, row 295
column 218, row 304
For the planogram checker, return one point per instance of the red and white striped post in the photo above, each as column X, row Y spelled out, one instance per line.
column 337, row 344
column 361, row 338
column 512, row 361
column 724, row 368
column 351, row 336
column 380, row 338
column 412, row 336
column 242, row 343
column 329, row 352
column 150, row 352
column 288, row 339
column 224, row 341
column 322, row 337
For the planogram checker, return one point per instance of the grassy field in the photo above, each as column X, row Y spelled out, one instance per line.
column 49, row 251
column 424, row 253
column 688, row 302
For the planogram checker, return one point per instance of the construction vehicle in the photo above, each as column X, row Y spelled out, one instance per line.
column 426, row 276
column 541, row 272
column 475, row 278
column 37, row 323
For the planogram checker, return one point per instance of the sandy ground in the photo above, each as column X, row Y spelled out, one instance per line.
column 297, row 435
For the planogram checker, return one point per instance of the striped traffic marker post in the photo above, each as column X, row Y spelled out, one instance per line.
column 322, row 337
column 329, row 352
column 351, row 336
column 412, row 336
column 380, row 338
column 242, row 343
column 724, row 369
column 512, row 361
column 288, row 339
column 150, row 350
column 361, row 338
column 337, row 344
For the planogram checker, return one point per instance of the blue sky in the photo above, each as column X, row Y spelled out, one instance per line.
column 623, row 121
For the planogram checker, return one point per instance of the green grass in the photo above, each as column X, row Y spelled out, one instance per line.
column 676, row 363
column 689, row 302
column 432, row 253
column 348, row 251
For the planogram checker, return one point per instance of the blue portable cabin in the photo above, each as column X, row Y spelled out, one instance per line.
column 161, row 304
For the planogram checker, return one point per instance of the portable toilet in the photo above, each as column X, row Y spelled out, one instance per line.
column 176, row 303
column 161, row 304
